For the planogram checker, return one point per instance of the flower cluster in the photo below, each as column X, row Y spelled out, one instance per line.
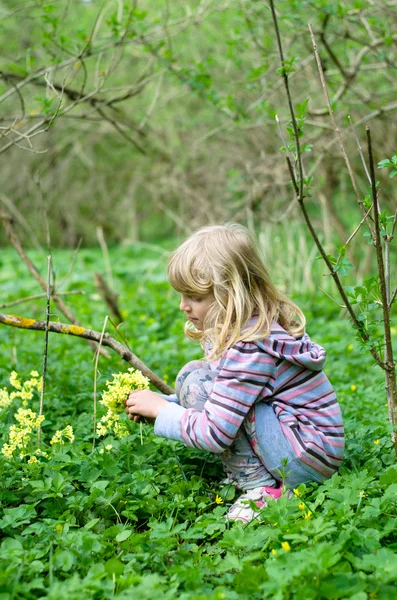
column 24, row 391
column 20, row 436
column 29, row 422
column 114, row 397
column 61, row 434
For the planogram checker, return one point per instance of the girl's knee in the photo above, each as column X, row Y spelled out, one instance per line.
column 194, row 384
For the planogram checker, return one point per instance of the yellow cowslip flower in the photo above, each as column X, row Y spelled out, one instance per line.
column 308, row 514
column 24, row 391
column 59, row 436
column 296, row 492
column 101, row 451
column 218, row 499
column 41, row 453
column 15, row 381
column 114, row 398
column 5, row 399
column 68, row 433
column 353, row 387
column 274, row 552
column 58, row 528
column 32, row 460
column 34, row 374
column 362, row 494
column 301, row 506
column 8, row 450
column 20, row 435
column 376, row 442
column 285, row 546
column 108, row 447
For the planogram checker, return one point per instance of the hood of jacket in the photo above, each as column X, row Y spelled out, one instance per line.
column 301, row 352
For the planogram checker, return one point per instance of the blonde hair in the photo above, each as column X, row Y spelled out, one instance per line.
column 224, row 260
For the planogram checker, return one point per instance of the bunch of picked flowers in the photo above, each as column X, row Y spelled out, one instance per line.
column 114, row 397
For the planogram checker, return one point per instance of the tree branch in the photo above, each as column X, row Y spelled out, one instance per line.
column 92, row 336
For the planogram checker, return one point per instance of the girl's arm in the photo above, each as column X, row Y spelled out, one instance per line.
column 169, row 397
column 246, row 375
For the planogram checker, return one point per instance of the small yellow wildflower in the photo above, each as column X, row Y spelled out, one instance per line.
column 308, row 514
column 20, row 435
column 5, row 399
column 218, row 499
column 101, row 451
column 350, row 347
column 296, row 492
column 59, row 435
column 59, row 528
column 109, row 447
column 274, row 552
column 301, row 506
column 353, row 387
column 376, row 442
column 15, row 381
column 285, row 546
column 114, row 397
column 362, row 494
column 32, row 460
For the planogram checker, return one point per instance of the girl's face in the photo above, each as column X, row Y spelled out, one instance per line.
column 196, row 307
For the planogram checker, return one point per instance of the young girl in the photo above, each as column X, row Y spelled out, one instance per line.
column 259, row 398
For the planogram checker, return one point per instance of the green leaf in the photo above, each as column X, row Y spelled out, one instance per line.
column 114, row 566
column 123, row 535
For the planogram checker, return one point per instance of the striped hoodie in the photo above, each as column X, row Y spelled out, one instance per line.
column 280, row 370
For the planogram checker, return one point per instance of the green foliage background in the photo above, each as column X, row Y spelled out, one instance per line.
column 140, row 519
column 149, row 119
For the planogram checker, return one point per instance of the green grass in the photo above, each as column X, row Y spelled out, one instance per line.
column 140, row 519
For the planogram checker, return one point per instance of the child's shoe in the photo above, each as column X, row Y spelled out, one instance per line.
column 241, row 510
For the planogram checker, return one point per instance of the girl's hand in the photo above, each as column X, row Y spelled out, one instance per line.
column 144, row 403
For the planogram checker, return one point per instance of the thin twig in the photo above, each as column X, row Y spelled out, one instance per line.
column 280, row 130
column 37, row 296
column 393, row 297
column 358, row 226
column 88, row 334
column 47, row 320
column 360, row 150
column 289, row 99
column 95, row 380
column 337, row 131
column 333, row 299
column 17, row 213
column 105, row 252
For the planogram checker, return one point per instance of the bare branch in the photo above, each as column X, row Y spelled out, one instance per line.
column 360, row 150
column 37, row 296
column 337, row 131
column 92, row 336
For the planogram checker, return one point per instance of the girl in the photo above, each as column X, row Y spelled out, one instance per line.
column 259, row 398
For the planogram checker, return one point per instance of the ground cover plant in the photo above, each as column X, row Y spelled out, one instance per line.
column 140, row 515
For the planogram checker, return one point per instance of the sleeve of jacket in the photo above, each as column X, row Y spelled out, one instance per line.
column 246, row 375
